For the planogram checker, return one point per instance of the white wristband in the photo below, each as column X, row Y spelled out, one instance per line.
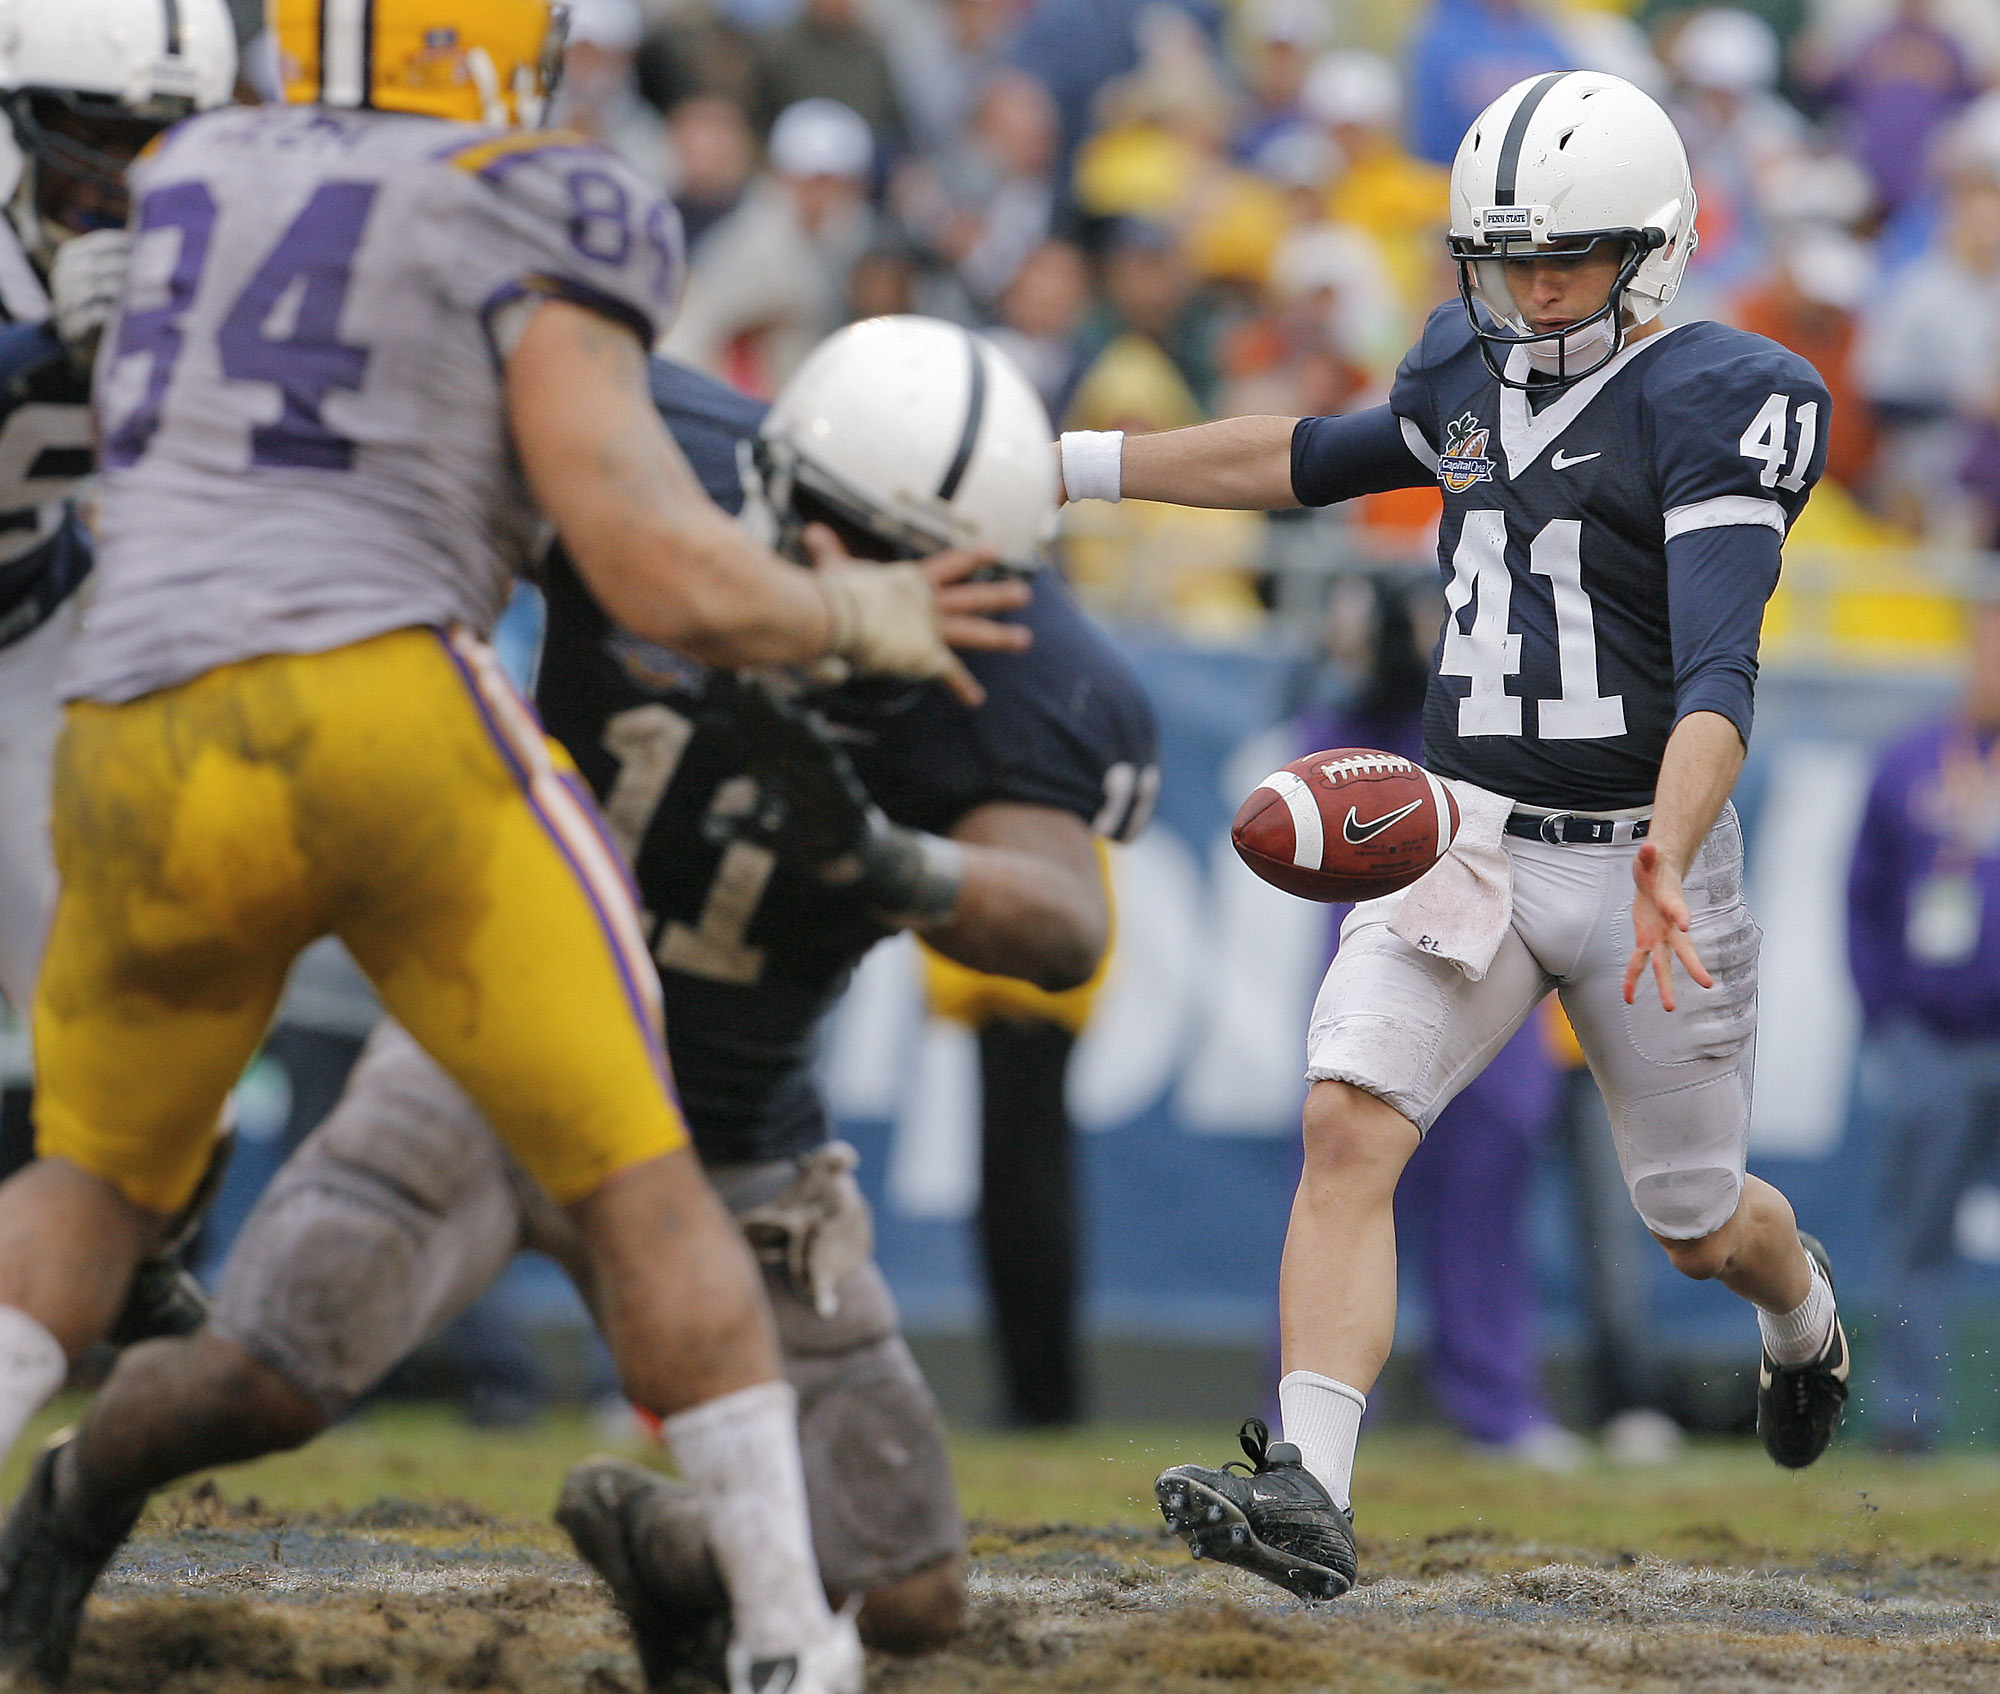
column 1093, row 463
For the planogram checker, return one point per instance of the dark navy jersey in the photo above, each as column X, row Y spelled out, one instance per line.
column 751, row 958
column 46, row 450
column 1607, row 552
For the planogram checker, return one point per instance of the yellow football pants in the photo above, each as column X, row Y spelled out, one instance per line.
column 397, row 794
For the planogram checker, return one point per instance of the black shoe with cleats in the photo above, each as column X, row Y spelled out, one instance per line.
column 48, row 1565
column 1798, row 1406
column 643, row 1534
column 1270, row 1516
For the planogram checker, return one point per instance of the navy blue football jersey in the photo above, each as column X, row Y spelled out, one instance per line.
column 751, row 957
column 1569, row 648
column 46, row 450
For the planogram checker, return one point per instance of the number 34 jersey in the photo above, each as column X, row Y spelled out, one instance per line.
column 304, row 432
column 1586, row 551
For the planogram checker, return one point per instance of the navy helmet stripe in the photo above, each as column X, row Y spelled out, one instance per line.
column 173, row 28
column 1517, row 132
column 975, row 412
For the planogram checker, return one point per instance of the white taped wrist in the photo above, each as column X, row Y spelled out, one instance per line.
column 1093, row 463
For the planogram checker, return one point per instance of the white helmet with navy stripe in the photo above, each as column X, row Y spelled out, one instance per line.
column 1564, row 161
column 914, row 434
column 71, row 67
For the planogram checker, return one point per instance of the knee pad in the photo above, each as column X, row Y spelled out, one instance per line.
column 878, row 1476
column 1686, row 1205
column 322, row 1285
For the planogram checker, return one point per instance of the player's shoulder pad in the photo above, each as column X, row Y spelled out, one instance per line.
column 1733, row 417
column 707, row 419
column 1714, row 365
column 1445, row 340
column 608, row 238
column 1067, row 723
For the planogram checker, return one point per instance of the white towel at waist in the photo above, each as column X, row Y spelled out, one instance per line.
column 1460, row 908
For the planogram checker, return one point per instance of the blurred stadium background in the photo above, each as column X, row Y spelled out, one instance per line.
column 1173, row 209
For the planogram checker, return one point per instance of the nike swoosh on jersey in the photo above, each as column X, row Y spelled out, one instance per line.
column 1558, row 463
column 1357, row 832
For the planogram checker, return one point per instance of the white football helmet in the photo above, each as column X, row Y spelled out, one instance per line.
column 1565, row 161
column 907, row 435
column 66, row 65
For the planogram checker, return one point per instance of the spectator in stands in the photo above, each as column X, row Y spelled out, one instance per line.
column 1740, row 135
column 989, row 203
column 1464, row 55
column 1401, row 202
column 599, row 93
column 1930, row 354
column 943, row 54
column 1894, row 92
column 1923, row 940
column 1808, row 304
column 1041, row 315
column 1279, row 40
column 715, row 156
column 771, row 278
column 829, row 53
column 1150, row 295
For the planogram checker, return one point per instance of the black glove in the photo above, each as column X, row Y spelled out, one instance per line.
column 810, row 810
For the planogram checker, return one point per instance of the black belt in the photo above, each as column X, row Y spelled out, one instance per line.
column 1566, row 829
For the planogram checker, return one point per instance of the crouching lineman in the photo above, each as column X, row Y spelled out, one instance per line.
column 83, row 87
column 766, row 875
column 1615, row 496
column 360, row 344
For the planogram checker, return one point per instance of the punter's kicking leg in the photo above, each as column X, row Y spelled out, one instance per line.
column 1395, row 1034
column 394, row 793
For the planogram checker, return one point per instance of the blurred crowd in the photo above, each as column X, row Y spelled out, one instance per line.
column 1169, row 210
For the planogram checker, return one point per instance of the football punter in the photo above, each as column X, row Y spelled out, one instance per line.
column 367, row 334
column 1616, row 492
column 775, row 840
column 83, row 87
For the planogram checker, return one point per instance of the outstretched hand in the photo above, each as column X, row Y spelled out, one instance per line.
column 1660, row 922
column 965, row 610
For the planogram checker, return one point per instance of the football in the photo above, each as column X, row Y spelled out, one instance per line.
column 1349, row 824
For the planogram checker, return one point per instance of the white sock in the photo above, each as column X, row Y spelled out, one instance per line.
column 32, row 1368
column 741, row 1453
column 1794, row 1337
column 1322, row 1418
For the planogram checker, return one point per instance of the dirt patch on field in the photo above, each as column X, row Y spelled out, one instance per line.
column 222, row 1598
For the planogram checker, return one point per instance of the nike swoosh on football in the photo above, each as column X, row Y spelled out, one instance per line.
column 1558, row 463
column 1358, row 832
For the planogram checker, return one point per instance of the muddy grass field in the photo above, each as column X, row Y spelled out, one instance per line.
column 407, row 1553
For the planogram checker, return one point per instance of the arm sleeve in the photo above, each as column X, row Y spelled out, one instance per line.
column 566, row 220
column 1358, row 453
column 1717, row 582
column 1739, row 439
column 1876, row 901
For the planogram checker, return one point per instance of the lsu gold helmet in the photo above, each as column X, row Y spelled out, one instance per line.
column 474, row 61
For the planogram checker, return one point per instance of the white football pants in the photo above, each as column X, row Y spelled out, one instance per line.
column 1413, row 1030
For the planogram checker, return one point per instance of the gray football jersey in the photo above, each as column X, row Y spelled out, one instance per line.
column 301, row 405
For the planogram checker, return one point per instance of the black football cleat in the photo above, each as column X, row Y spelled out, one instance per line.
column 1271, row 1516
column 48, row 1564
column 1798, row 1406
column 642, row 1533
column 163, row 1301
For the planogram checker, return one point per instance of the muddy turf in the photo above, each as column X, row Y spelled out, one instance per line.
column 406, row 1552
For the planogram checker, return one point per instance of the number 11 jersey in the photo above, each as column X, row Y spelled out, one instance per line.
column 1587, row 548
column 304, row 426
